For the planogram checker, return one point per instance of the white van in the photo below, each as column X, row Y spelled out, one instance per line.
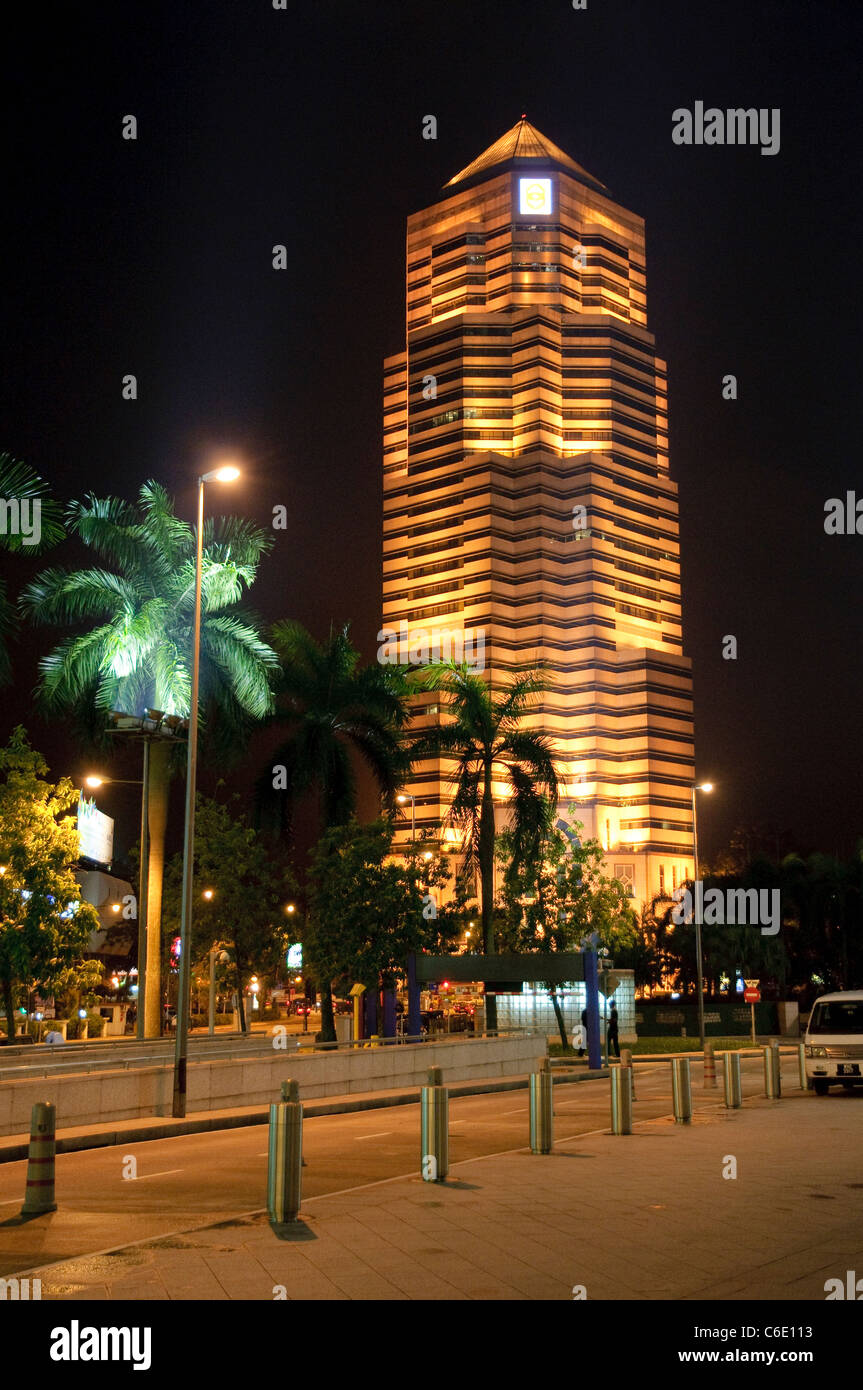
column 834, row 1042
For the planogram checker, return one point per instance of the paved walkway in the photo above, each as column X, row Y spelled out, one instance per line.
column 644, row 1216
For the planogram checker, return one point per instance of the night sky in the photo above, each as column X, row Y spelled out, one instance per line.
column 303, row 126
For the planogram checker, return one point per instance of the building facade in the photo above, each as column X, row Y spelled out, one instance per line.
column 528, row 508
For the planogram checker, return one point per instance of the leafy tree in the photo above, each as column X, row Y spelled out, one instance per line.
column 557, row 898
column 366, row 910
column 483, row 735
column 20, row 484
column 44, row 926
column 249, row 887
column 333, row 713
column 132, row 650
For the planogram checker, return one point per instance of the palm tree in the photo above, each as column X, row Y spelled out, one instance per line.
column 485, row 739
column 333, row 713
column 21, row 487
column 134, row 644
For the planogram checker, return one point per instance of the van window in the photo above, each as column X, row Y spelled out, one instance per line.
column 840, row 1016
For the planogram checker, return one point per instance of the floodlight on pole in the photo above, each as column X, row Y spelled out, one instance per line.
column 225, row 474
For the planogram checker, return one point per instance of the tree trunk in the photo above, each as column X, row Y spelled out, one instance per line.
column 486, row 873
column 559, row 1016
column 157, row 819
column 8, row 1004
column 328, row 1022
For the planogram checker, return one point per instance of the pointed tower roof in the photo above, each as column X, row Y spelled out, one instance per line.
column 523, row 142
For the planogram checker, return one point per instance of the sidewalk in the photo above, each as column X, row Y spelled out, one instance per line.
column 643, row 1216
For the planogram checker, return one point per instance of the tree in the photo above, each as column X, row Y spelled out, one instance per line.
column 22, row 489
column 44, row 926
column 334, row 713
column 557, row 898
column 133, row 648
column 249, row 890
column 366, row 910
column 484, row 737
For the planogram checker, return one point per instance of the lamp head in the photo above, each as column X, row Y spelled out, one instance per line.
column 94, row 781
column 705, row 787
column 228, row 473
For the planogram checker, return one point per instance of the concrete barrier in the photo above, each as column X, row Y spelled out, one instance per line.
column 107, row 1095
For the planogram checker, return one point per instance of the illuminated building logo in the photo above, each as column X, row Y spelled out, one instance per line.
column 534, row 196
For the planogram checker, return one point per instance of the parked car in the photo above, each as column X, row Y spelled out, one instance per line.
column 834, row 1042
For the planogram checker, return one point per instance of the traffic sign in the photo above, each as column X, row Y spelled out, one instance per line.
column 752, row 996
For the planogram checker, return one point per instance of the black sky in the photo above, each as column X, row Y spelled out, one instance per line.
column 260, row 126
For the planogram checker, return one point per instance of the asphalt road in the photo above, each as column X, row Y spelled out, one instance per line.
column 199, row 1179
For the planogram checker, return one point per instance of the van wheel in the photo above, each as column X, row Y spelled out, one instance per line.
column 820, row 1087
column 849, row 1085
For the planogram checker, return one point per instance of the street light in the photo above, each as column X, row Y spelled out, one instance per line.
column 94, row 781
column 698, row 787
column 401, row 799
column 225, row 474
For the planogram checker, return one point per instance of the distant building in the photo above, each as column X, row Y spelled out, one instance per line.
column 528, row 507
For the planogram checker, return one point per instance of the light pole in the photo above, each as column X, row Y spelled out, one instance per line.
column 401, row 799
column 143, row 874
column 698, row 787
column 178, row 1109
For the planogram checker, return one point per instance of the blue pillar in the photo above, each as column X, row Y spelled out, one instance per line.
column 591, row 981
column 414, row 1020
column 389, row 1013
column 370, row 1001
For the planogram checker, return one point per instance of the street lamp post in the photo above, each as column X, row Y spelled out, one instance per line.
column 178, row 1109
column 402, row 798
column 698, row 787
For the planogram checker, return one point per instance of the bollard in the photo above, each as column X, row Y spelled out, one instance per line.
column 777, row 1068
column 626, row 1061
column 733, row 1081
column 434, row 1111
column 681, row 1090
column 801, row 1062
column 621, row 1100
column 285, row 1156
column 39, row 1191
column 709, row 1067
column 541, row 1110
column 772, row 1083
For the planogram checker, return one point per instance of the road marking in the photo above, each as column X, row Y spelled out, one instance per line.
column 164, row 1173
column 11, row 1202
column 379, row 1135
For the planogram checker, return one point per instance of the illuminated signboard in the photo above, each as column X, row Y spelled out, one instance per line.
column 535, row 196
column 95, row 832
column 295, row 957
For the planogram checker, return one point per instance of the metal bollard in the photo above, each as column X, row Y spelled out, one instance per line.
column 733, row 1081
column 801, row 1062
column 39, row 1191
column 541, row 1110
column 285, row 1156
column 681, row 1090
column 621, row 1100
column 772, row 1081
column 626, row 1061
column 434, row 1112
column 709, row 1066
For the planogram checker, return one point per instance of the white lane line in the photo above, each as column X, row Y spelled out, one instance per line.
column 358, row 1138
column 11, row 1202
column 164, row 1173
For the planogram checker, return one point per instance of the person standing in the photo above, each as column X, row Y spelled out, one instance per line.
column 583, row 1038
column 613, row 1043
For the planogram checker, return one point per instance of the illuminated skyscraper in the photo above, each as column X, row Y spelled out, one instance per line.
column 527, row 500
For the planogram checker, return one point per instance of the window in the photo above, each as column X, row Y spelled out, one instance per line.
column 662, row 878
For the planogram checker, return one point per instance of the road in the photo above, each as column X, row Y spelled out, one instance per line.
column 199, row 1179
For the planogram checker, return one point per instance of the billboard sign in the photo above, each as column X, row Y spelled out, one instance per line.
column 95, row 833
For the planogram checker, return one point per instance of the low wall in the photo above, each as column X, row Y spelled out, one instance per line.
column 254, row 1081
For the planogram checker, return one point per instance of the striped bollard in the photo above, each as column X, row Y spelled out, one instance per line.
column 621, row 1100
column 709, row 1067
column 541, row 1110
column 285, row 1156
column 39, row 1192
column 681, row 1090
column 733, row 1081
column 772, row 1082
column 626, row 1061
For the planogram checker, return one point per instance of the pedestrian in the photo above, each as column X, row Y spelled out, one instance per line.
column 613, row 1044
column 583, row 1038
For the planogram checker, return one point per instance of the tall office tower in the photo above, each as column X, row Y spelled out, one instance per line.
column 528, row 508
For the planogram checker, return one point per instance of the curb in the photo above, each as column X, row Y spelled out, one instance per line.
column 138, row 1134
